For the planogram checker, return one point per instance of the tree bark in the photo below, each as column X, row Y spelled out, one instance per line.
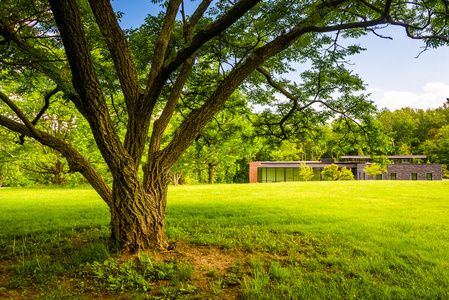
column 211, row 173
column 139, row 224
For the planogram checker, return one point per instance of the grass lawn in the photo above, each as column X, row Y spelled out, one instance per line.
column 302, row 240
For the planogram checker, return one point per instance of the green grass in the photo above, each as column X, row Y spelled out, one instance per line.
column 312, row 240
column 383, row 240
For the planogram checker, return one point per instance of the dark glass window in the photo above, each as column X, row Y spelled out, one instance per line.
column 262, row 174
column 379, row 177
column 317, row 174
column 393, row 176
column 414, row 176
column 280, row 174
column 289, row 174
column 429, row 176
column 271, row 175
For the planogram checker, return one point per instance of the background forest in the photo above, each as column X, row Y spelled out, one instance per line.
column 221, row 154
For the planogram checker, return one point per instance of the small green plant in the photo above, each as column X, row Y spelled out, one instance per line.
column 373, row 169
column 254, row 286
column 217, row 286
column 128, row 276
column 184, row 271
column 120, row 277
column 379, row 165
column 305, row 172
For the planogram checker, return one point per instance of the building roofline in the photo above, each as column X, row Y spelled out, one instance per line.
column 388, row 156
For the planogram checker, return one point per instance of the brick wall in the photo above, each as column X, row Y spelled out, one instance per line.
column 253, row 171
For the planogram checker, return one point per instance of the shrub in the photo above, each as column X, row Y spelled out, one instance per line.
column 305, row 172
column 445, row 172
column 345, row 174
column 330, row 173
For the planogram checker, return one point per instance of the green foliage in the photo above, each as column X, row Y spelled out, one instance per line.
column 345, row 174
column 113, row 276
column 418, row 131
column 443, row 144
column 374, row 169
column 445, row 172
column 138, row 275
column 305, row 172
column 330, row 172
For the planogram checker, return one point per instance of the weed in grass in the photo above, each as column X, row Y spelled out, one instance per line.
column 277, row 272
column 184, row 270
column 183, row 291
column 212, row 273
column 217, row 286
column 254, row 286
column 114, row 276
column 164, row 270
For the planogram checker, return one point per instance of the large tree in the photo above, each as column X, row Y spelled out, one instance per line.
column 79, row 49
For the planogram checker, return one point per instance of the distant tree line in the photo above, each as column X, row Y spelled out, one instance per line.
column 221, row 154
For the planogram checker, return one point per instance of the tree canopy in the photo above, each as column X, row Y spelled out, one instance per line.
column 128, row 85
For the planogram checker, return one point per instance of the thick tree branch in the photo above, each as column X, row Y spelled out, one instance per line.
column 196, row 16
column 87, row 85
column 161, row 123
column 139, row 116
column 162, row 42
column 20, row 114
column 76, row 161
column 119, row 48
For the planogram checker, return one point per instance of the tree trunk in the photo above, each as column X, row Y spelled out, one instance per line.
column 200, row 179
column 211, row 173
column 58, row 171
column 176, row 178
column 137, row 218
column 57, row 181
column 138, row 209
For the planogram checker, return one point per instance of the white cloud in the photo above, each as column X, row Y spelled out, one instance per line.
column 433, row 95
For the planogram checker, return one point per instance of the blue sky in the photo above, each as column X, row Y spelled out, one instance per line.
column 395, row 77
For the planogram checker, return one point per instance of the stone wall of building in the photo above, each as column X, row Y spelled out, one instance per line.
column 405, row 171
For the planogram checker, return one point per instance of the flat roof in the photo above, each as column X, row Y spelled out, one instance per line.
column 388, row 156
column 297, row 164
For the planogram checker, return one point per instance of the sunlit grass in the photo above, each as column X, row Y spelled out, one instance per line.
column 35, row 211
column 365, row 239
column 370, row 239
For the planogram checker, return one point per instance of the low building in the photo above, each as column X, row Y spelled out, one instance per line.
column 402, row 167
